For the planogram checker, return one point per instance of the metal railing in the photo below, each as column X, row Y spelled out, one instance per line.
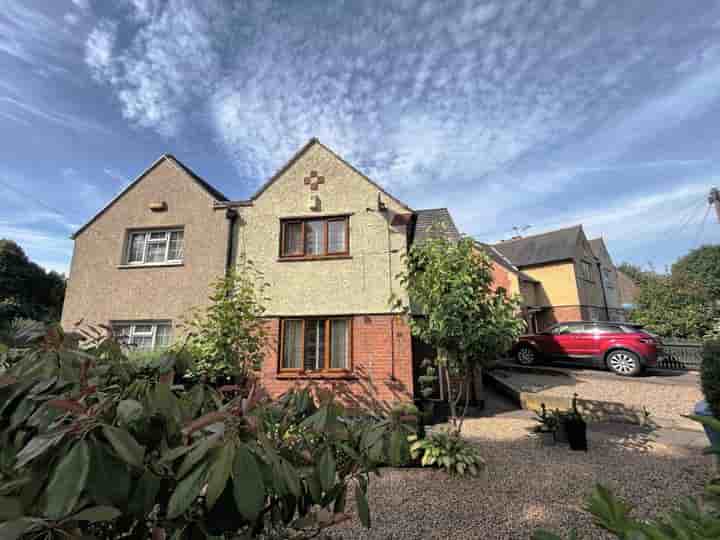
column 681, row 354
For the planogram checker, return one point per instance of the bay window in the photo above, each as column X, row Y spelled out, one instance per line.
column 314, row 237
column 315, row 344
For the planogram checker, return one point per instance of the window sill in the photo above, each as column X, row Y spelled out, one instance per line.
column 150, row 265
column 344, row 375
column 320, row 258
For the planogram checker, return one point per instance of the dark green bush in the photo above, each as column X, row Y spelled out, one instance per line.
column 710, row 376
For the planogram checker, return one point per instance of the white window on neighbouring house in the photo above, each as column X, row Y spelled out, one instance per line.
column 143, row 335
column 155, row 247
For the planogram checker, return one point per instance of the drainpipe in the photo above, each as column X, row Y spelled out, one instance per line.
column 602, row 287
column 231, row 215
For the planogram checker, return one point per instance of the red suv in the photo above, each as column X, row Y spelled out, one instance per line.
column 624, row 348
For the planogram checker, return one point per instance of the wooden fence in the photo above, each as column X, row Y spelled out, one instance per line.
column 681, row 354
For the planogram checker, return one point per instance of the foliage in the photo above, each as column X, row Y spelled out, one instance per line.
column 26, row 289
column 94, row 445
column 547, row 422
column 674, row 306
column 701, row 264
column 227, row 337
column 633, row 271
column 710, row 376
column 449, row 451
column 467, row 319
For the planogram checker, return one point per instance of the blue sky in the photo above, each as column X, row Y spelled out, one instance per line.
column 510, row 113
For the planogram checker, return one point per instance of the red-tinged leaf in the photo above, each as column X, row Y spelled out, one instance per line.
column 204, row 421
column 67, row 405
column 7, row 380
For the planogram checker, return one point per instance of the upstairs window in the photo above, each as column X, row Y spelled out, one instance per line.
column 315, row 345
column 314, row 238
column 143, row 335
column 155, row 247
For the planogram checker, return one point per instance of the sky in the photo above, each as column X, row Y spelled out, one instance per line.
column 516, row 115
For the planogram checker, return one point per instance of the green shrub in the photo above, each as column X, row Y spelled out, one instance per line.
column 95, row 446
column 448, row 451
column 710, row 376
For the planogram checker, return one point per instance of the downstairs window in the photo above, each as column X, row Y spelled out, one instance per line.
column 143, row 335
column 315, row 344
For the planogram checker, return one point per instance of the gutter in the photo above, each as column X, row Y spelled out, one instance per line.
column 231, row 215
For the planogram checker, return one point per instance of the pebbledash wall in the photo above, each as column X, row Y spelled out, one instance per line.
column 358, row 286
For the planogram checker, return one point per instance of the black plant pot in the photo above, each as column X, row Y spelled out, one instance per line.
column 577, row 434
column 434, row 411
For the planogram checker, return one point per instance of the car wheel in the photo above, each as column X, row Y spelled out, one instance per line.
column 526, row 355
column 624, row 363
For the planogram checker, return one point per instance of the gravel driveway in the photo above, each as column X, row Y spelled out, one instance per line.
column 666, row 397
column 526, row 486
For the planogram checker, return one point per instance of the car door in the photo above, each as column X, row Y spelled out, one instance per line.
column 561, row 340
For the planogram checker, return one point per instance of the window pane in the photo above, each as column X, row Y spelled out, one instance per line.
column 291, row 344
column 143, row 343
column 143, row 329
column 336, row 236
column 339, row 345
column 137, row 248
column 314, row 345
column 314, row 237
column 292, row 239
column 175, row 251
column 163, row 336
column 156, row 251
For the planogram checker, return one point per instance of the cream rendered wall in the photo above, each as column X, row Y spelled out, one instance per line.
column 100, row 290
column 361, row 284
column 557, row 284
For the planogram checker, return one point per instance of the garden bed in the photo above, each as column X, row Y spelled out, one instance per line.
column 526, row 486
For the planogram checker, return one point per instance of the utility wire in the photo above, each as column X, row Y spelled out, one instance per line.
column 34, row 199
column 702, row 227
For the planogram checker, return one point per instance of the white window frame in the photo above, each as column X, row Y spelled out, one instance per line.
column 132, row 333
column 148, row 241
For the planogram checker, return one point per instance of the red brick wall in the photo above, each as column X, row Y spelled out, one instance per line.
column 554, row 315
column 501, row 277
column 382, row 366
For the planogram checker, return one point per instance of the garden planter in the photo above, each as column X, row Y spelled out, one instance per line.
column 577, row 434
column 434, row 411
column 561, row 435
column 547, row 438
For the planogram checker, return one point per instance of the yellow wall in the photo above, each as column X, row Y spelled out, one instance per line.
column 557, row 284
column 361, row 284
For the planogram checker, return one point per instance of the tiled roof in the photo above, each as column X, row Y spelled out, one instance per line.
column 434, row 223
column 541, row 248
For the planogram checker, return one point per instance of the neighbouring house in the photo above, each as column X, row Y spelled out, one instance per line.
column 571, row 280
column 328, row 240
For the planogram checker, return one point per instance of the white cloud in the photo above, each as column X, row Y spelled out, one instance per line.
column 39, row 111
column 99, row 49
column 82, row 4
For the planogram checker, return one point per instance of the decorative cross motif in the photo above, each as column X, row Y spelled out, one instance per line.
column 314, row 180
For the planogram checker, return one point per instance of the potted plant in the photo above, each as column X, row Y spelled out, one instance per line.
column 547, row 426
column 576, row 427
column 434, row 411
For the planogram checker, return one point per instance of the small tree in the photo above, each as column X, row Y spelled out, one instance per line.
column 702, row 264
column 227, row 337
column 459, row 311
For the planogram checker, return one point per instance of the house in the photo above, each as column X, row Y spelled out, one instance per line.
column 327, row 239
column 628, row 290
column 570, row 279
